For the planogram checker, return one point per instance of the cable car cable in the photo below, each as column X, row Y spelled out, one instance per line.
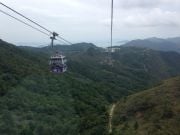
column 24, row 23
column 112, row 17
column 33, row 22
column 25, row 17
column 19, row 20
column 64, row 40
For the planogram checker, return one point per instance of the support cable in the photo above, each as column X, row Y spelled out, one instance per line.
column 25, row 23
column 60, row 37
column 112, row 10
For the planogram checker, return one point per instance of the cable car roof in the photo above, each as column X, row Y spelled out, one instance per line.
column 58, row 57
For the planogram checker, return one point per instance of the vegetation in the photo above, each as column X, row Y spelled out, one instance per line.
column 33, row 101
column 154, row 111
column 169, row 44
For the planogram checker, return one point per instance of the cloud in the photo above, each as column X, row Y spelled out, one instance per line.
column 144, row 18
column 139, row 3
column 89, row 20
column 155, row 18
column 46, row 12
column 128, row 4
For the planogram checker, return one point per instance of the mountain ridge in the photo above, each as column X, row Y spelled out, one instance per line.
column 169, row 44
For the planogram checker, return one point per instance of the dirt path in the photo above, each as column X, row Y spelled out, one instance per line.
column 110, row 118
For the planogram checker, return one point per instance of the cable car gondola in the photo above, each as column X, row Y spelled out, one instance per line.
column 57, row 61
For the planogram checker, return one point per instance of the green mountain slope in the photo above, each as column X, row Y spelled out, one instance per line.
column 34, row 101
column 170, row 44
column 154, row 111
column 133, row 68
column 15, row 64
column 79, row 47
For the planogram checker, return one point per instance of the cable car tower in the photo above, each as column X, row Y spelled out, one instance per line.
column 110, row 49
column 57, row 61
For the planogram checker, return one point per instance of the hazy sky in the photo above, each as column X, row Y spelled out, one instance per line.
column 89, row 20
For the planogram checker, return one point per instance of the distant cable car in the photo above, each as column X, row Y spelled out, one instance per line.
column 57, row 61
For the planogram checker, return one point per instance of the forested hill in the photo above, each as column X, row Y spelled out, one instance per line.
column 154, row 111
column 169, row 44
column 34, row 101
column 78, row 47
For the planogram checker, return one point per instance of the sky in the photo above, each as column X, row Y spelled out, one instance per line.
column 89, row 20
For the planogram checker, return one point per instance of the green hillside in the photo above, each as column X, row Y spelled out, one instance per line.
column 152, row 112
column 35, row 102
column 169, row 44
column 15, row 64
column 133, row 68
column 78, row 47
